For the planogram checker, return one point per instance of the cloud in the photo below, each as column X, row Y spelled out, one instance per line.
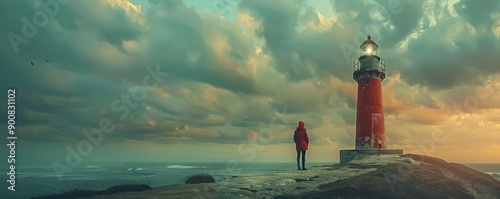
column 239, row 68
column 467, row 49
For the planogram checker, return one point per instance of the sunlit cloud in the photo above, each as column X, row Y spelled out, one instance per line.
column 238, row 69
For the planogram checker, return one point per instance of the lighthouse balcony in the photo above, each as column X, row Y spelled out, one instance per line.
column 369, row 63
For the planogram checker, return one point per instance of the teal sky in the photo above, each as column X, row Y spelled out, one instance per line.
column 242, row 73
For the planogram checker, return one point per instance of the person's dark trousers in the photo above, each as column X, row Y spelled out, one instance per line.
column 303, row 160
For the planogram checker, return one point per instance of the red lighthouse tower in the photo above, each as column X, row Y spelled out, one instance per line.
column 369, row 72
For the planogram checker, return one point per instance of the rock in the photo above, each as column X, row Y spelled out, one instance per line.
column 200, row 178
column 247, row 189
column 285, row 182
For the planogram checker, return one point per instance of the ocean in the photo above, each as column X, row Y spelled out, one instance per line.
column 37, row 180
column 491, row 169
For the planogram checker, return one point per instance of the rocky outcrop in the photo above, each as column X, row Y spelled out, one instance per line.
column 371, row 176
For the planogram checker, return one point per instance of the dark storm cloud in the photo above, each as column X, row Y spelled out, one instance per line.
column 403, row 15
column 292, row 50
column 279, row 22
column 478, row 14
column 108, row 24
column 180, row 35
column 465, row 53
column 97, row 84
column 212, row 94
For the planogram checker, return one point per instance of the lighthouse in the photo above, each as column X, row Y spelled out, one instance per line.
column 369, row 72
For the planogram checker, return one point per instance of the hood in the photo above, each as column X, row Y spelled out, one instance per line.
column 301, row 124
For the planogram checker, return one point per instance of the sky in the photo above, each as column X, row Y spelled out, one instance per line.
column 228, row 80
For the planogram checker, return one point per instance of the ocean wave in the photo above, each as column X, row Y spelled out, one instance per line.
column 39, row 175
column 34, row 166
column 135, row 169
column 82, row 178
column 497, row 174
column 184, row 167
column 92, row 167
column 34, row 175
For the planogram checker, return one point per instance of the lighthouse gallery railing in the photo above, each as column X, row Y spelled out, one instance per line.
column 368, row 65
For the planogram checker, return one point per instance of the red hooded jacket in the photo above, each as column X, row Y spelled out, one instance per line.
column 301, row 138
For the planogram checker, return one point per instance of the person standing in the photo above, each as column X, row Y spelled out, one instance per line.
column 301, row 140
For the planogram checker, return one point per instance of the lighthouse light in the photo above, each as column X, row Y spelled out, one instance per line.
column 369, row 47
column 369, row 51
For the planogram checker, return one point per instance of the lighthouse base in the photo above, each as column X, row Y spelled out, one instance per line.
column 348, row 155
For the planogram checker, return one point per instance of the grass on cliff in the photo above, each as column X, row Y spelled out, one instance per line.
column 200, row 178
